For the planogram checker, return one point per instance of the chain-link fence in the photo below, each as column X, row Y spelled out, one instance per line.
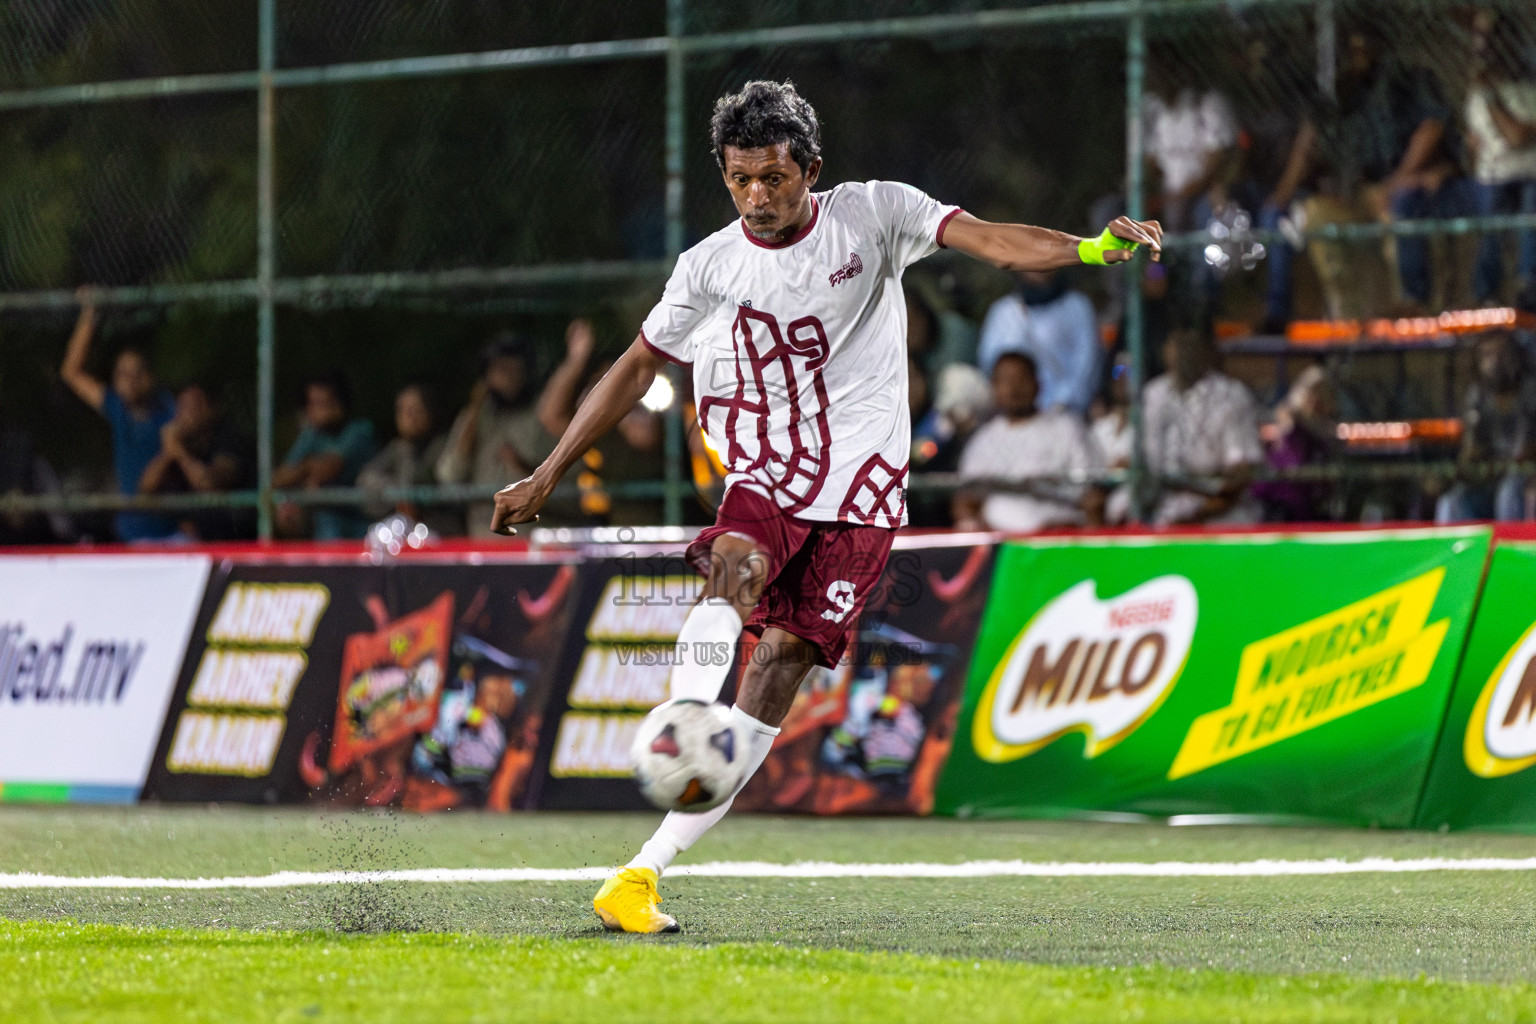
column 259, row 193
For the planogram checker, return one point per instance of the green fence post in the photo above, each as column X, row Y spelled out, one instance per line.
column 672, row 505
column 266, row 328
column 1135, row 70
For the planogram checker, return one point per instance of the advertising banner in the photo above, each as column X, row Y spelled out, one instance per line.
column 1284, row 676
column 1483, row 770
column 90, row 649
column 866, row 737
column 419, row 685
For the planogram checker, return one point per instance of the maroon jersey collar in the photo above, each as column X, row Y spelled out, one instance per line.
column 792, row 239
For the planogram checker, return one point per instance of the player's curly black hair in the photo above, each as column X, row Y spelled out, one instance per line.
column 765, row 114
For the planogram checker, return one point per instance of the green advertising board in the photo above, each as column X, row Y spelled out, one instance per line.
column 1484, row 772
column 1300, row 676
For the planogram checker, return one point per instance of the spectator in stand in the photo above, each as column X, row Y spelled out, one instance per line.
column 630, row 453
column 329, row 452
column 497, row 437
column 1386, row 147
column 935, row 338
column 136, row 409
column 24, row 472
column 1501, row 134
column 1191, row 139
column 1498, row 425
column 962, row 401
column 1304, row 426
column 410, row 460
column 1199, row 424
column 200, row 454
column 1024, row 445
column 1054, row 325
column 1112, row 416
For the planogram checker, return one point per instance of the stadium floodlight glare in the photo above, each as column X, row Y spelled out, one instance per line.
column 659, row 397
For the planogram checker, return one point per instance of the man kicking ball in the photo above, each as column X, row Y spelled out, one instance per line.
column 795, row 324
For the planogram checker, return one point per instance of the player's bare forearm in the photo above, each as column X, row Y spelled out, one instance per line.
column 1020, row 247
column 609, row 401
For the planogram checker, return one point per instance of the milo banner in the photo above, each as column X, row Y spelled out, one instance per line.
column 1285, row 676
column 869, row 736
column 417, row 685
column 1484, row 772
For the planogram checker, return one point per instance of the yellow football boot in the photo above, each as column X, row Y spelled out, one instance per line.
column 627, row 903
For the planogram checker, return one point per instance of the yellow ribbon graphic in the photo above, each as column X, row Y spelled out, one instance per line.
column 1319, row 671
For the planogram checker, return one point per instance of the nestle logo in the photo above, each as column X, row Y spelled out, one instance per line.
column 852, row 268
column 1142, row 613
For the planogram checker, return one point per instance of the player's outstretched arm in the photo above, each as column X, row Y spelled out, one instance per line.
column 1018, row 247
column 608, row 402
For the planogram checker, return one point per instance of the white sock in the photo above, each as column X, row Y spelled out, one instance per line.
column 706, row 648
column 679, row 831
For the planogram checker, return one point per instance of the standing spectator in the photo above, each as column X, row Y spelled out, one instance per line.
column 1054, row 325
column 629, row 453
column 1501, row 134
column 136, row 409
column 410, row 460
column 1498, row 424
column 1199, row 423
column 1112, row 419
column 199, row 453
column 1386, row 148
column 1021, row 444
column 1304, row 425
column 497, row 437
column 329, row 452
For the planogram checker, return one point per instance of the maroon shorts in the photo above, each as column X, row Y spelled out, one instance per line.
column 819, row 574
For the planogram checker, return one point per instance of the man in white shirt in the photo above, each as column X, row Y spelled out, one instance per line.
column 1501, row 135
column 1198, row 423
column 1191, row 136
column 794, row 320
column 1049, row 450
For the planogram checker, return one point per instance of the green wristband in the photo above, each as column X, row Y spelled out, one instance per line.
column 1092, row 250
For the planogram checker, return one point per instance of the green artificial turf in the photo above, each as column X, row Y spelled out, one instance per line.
column 1454, row 945
column 114, row 975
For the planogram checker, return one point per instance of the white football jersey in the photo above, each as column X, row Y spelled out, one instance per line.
column 799, row 350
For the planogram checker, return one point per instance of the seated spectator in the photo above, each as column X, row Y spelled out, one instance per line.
column 1023, row 445
column 1054, row 325
column 936, row 338
column 497, row 438
column 1112, row 416
column 1191, row 139
column 199, row 453
column 1501, row 134
column 135, row 408
column 630, row 453
column 962, row 401
column 1385, row 147
column 24, row 472
column 1305, row 425
column 329, row 452
column 1498, row 425
column 410, row 460
column 1198, row 423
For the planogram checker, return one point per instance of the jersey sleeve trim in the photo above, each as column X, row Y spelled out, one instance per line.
column 938, row 235
column 669, row 357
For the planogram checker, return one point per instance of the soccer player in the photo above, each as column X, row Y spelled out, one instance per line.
column 794, row 321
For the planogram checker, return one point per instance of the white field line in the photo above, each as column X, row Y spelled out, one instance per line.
column 804, row 869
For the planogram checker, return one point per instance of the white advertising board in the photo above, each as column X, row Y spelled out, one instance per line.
column 90, row 649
